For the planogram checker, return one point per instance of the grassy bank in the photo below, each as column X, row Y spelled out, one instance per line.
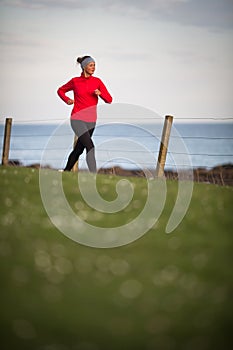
column 164, row 291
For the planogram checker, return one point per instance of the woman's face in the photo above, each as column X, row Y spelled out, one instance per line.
column 90, row 68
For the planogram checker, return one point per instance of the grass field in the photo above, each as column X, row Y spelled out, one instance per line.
column 164, row 291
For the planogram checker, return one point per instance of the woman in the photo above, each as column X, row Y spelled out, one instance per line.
column 87, row 89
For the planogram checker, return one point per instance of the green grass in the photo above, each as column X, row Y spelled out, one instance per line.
column 164, row 291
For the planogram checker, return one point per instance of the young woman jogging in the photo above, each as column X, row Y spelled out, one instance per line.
column 87, row 89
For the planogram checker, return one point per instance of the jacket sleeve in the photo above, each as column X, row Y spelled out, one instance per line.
column 105, row 95
column 65, row 88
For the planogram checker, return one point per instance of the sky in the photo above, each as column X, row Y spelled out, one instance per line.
column 170, row 56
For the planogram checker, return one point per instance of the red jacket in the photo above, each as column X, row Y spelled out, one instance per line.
column 85, row 100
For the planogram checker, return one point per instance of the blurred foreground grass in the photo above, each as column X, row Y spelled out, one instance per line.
column 164, row 291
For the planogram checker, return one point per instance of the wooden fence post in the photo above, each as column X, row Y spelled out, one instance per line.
column 6, row 143
column 75, row 167
column 164, row 146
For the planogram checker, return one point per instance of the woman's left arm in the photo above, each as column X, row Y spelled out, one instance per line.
column 104, row 94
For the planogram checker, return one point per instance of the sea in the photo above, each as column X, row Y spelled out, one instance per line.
column 127, row 145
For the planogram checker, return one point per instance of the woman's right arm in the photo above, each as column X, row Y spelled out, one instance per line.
column 63, row 90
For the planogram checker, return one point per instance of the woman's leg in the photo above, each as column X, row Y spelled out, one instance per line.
column 84, row 132
column 74, row 155
column 90, row 149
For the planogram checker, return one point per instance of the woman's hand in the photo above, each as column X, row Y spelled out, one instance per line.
column 97, row 92
column 70, row 102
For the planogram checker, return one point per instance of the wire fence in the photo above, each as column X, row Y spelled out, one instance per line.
column 208, row 144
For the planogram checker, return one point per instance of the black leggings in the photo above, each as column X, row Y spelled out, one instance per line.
column 83, row 130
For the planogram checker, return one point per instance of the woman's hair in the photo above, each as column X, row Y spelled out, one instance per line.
column 80, row 59
column 84, row 60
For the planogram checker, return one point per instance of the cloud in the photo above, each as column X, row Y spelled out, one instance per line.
column 14, row 40
column 128, row 56
column 209, row 13
column 38, row 4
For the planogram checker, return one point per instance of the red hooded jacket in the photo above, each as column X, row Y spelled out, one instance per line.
column 85, row 99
